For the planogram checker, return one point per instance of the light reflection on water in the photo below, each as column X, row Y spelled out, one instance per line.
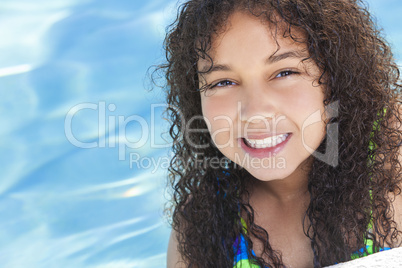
column 64, row 206
column 60, row 205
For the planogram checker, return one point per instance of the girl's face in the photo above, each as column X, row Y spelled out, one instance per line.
column 263, row 106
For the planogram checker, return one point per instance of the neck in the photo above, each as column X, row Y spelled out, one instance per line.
column 287, row 191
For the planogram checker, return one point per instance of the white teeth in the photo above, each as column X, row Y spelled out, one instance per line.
column 267, row 142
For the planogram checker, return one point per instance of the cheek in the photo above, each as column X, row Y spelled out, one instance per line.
column 306, row 109
column 220, row 115
column 312, row 126
column 218, row 112
column 313, row 135
column 207, row 113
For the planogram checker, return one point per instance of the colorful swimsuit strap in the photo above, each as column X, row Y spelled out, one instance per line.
column 242, row 260
column 240, row 248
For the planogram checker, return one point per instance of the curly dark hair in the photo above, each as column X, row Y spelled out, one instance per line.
column 349, row 202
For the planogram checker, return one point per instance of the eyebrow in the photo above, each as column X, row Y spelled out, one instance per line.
column 218, row 67
column 271, row 59
column 289, row 54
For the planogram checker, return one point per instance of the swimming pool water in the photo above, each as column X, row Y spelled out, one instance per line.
column 73, row 99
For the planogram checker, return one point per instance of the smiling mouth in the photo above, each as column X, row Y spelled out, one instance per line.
column 268, row 142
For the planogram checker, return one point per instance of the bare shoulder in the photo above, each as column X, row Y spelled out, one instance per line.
column 397, row 206
column 174, row 258
column 397, row 202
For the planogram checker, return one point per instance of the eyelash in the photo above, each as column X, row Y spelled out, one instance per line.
column 287, row 72
column 279, row 75
column 221, row 82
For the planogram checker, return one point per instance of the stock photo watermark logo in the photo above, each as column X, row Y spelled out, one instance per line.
column 331, row 155
column 111, row 132
column 153, row 164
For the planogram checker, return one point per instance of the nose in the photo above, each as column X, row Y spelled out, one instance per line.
column 257, row 104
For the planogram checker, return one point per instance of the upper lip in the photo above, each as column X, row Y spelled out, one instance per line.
column 263, row 135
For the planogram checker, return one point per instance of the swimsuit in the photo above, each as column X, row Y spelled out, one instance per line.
column 242, row 260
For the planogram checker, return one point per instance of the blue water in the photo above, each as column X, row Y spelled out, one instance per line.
column 73, row 100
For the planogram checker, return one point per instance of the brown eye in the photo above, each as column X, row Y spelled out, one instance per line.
column 223, row 83
column 285, row 73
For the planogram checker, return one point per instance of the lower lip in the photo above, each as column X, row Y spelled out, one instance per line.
column 264, row 152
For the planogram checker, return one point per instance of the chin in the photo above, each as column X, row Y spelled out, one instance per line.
column 280, row 170
column 270, row 174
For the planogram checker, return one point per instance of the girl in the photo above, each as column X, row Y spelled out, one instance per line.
column 287, row 134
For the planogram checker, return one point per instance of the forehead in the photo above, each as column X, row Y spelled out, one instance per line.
column 244, row 32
